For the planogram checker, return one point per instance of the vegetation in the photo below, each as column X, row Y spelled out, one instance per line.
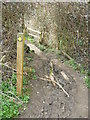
column 10, row 102
column 87, row 80
column 29, row 38
column 63, row 27
column 82, row 70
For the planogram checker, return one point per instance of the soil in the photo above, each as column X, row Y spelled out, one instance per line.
column 47, row 101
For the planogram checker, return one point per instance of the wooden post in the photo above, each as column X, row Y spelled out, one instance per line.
column 20, row 57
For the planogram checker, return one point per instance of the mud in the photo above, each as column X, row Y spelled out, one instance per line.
column 47, row 101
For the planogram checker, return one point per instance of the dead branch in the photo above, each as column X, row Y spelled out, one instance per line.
column 62, row 88
column 47, row 79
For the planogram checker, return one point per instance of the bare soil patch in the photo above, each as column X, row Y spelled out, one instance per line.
column 47, row 101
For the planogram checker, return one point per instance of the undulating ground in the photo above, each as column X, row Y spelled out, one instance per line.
column 47, row 101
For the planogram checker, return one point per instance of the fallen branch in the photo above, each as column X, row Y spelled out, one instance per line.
column 52, row 78
column 47, row 79
column 62, row 88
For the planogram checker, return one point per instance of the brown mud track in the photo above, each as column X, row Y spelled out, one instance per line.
column 47, row 101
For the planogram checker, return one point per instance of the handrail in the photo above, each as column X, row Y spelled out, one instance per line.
column 33, row 30
column 33, row 35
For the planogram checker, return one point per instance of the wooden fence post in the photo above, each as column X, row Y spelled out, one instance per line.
column 20, row 57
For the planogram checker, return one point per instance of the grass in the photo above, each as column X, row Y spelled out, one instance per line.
column 75, row 66
column 29, row 59
column 30, row 39
column 9, row 100
column 41, row 47
column 87, row 81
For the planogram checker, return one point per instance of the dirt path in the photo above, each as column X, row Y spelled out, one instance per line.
column 49, row 102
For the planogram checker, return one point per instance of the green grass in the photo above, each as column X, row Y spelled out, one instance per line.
column 34, row 77
column 24, row 64
column 41, row 47
column 29, row 39
column 29, row 59
column 87, row 81
column 10, row 107
column 75, row 66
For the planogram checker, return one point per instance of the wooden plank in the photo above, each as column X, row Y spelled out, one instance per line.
column 20, row 57
column 33, row 35
column 33, row 30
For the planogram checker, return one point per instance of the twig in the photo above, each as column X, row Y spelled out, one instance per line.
column 51, row 76
column 11, row 98
column 60, row 85
column 15, row 96
column 47, row 79
column 69, row 57
column 62, row 88
column 9, row 67
column 4, row 52
column 2, row 58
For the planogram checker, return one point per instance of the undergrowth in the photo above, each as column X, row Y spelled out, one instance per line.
column 41, row 47
column 29, row 39
column 10, row 102
column 81, row 69
column 31, row 73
